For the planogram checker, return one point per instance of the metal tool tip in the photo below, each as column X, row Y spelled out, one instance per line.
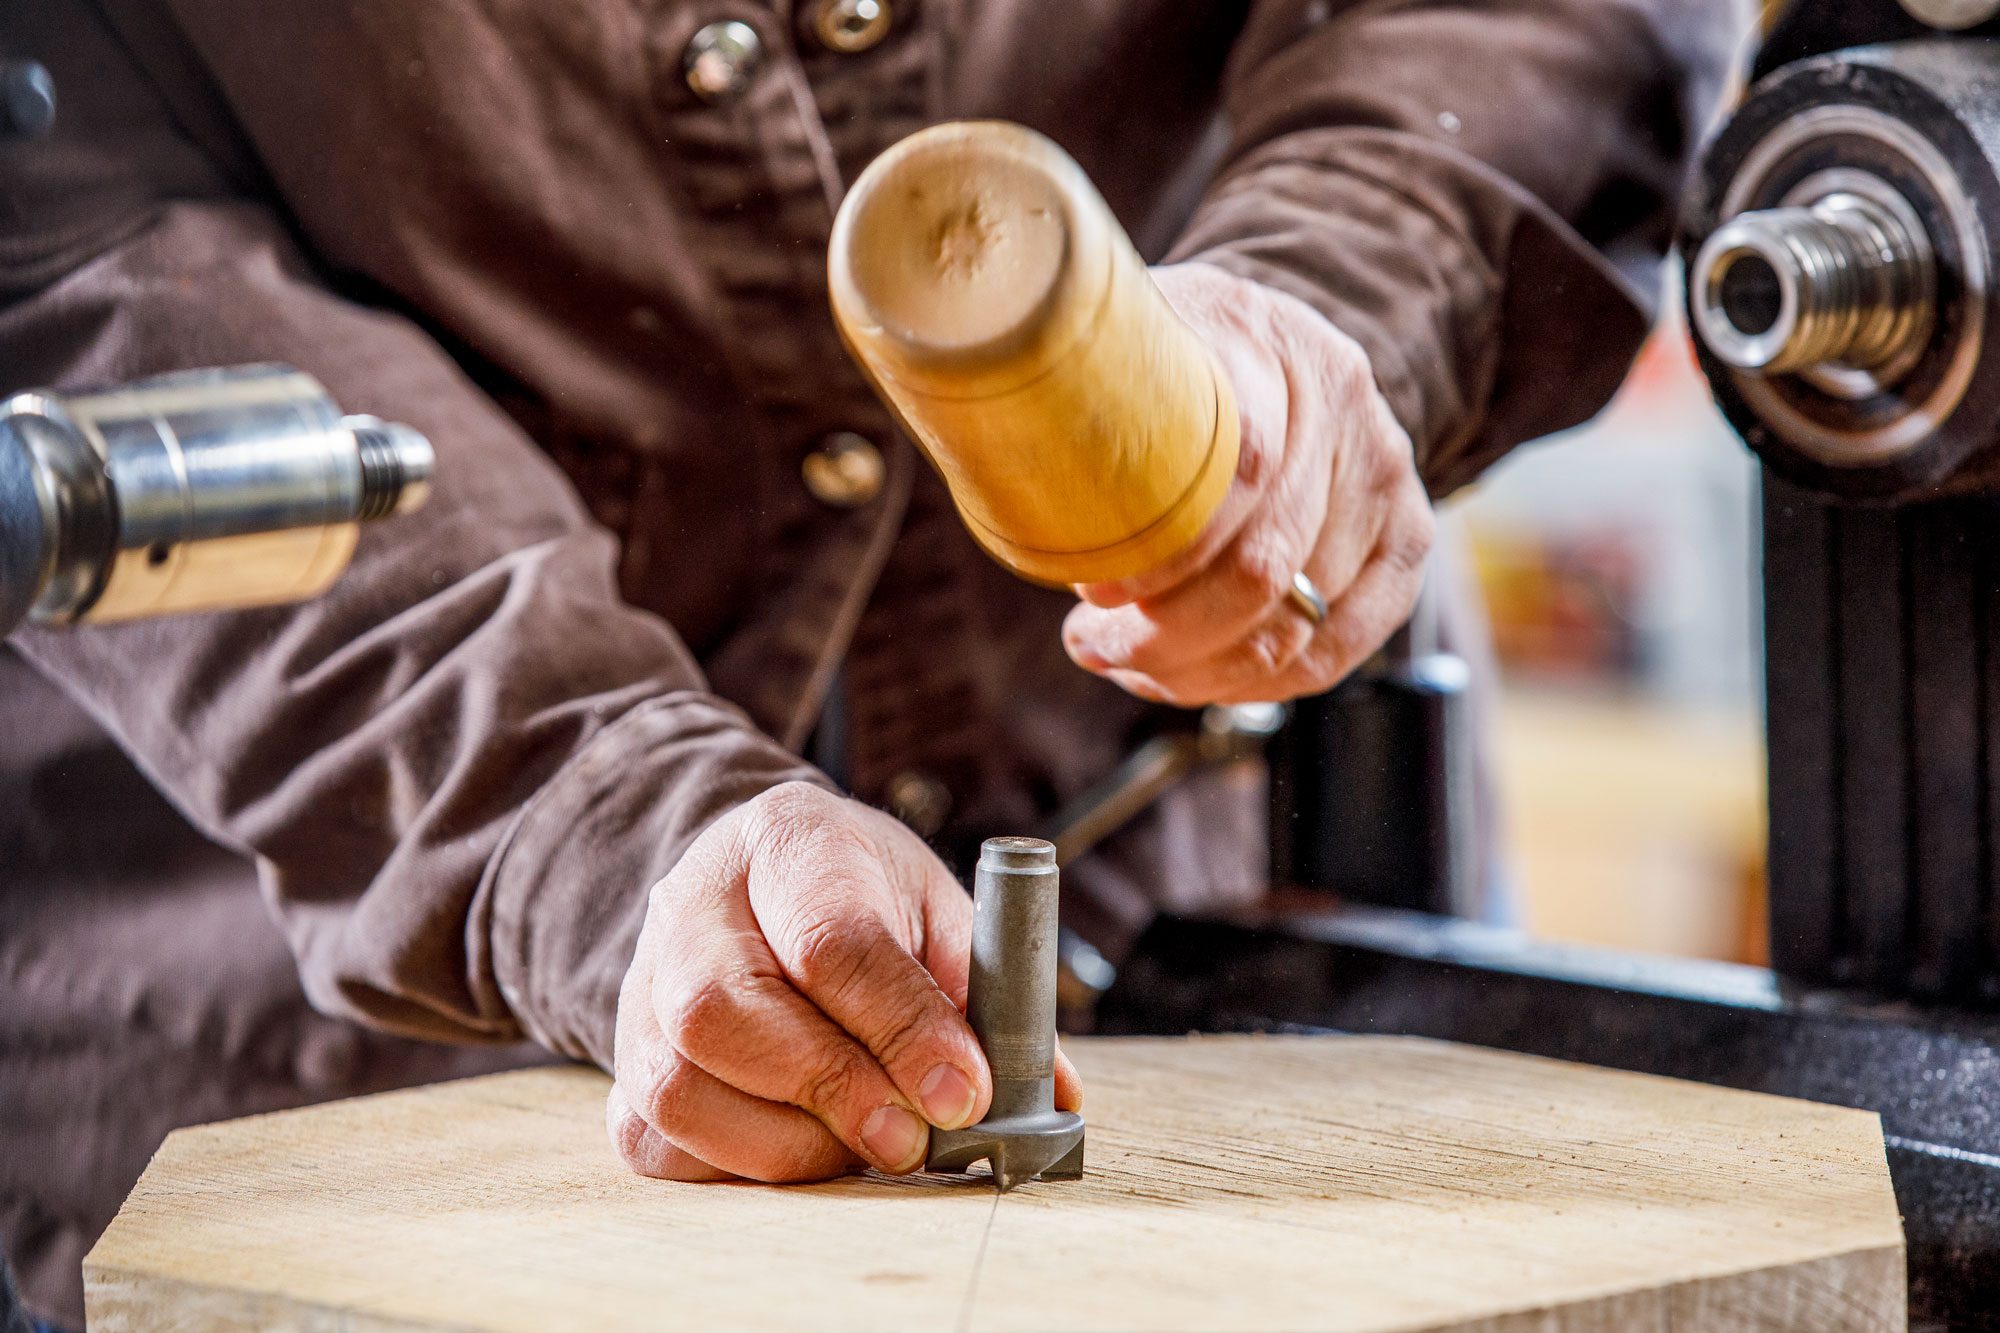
column 1016, row 853
column 1004, row 1179
column 396, row 466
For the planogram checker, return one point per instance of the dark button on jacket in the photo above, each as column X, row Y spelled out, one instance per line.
column 581, row 247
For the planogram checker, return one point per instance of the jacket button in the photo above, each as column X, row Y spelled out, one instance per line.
column 851, row 26
column 846, row 471
column 27, row 98
column 721, row 60
column 920, row 801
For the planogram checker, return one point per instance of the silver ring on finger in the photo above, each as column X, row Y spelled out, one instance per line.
column 1305, row 595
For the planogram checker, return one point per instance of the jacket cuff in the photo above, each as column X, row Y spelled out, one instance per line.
column 1460, row 285
column 569, row 889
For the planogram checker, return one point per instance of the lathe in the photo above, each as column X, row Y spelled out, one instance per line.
column 1842, row 287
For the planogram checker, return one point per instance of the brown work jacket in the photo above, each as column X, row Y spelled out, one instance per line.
column 257, row 859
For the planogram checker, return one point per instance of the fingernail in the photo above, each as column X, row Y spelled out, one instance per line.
column 895, row 1138
column 948, row 1095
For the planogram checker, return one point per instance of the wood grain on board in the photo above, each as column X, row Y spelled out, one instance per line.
column 1350, row 1183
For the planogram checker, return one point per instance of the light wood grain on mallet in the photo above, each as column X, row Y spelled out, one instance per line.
column 979, row 279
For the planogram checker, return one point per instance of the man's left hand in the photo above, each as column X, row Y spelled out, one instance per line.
column 1326, row 484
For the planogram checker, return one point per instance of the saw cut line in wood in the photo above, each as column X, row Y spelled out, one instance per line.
column 1363, row 1184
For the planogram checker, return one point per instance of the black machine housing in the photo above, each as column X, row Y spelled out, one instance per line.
column 1882, row 630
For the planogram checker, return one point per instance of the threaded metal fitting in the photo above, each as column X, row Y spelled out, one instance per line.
column 396, row 466
column 1844, row 282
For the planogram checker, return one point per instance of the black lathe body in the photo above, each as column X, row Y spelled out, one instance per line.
column 1843, row 250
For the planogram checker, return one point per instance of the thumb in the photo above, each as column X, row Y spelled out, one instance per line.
column 945, row 920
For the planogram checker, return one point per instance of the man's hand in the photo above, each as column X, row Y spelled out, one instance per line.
column 1326, row 484
column 794, row 1009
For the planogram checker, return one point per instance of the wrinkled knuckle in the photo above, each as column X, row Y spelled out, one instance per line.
column 823, row 957
column 1353, row 374
column 1257, row 456
column 1406, row 545
column 1262, row 571
column 830, row 1084
column 904, row 1031
column 828, row 832
column 781, row 812
column 671, row 1097
column 1268, row 651
column 1421, row 534
column 628, row 1136
column 699, row 1016
column 1294, row 638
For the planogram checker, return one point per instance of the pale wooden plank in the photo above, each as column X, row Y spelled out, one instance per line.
column 1362, row 1184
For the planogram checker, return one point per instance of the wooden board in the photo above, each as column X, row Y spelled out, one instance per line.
column 1350, row 1183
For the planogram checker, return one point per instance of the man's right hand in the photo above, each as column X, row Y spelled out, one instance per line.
column 794, row 1008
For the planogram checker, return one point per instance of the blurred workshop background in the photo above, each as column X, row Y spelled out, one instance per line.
column 1620, row 566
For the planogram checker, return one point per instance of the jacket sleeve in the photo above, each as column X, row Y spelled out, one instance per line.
column 1477, row 192
column 459, row 771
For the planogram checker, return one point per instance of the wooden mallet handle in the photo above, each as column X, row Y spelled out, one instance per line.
column 982, row 284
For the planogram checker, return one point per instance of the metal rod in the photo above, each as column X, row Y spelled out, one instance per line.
column 1011, row 999
column 1011, row 1004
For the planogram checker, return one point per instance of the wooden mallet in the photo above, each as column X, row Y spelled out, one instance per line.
column 1001, row 312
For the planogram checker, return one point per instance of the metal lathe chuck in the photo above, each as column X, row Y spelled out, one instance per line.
column 1840, row 280
column 1847, row 281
